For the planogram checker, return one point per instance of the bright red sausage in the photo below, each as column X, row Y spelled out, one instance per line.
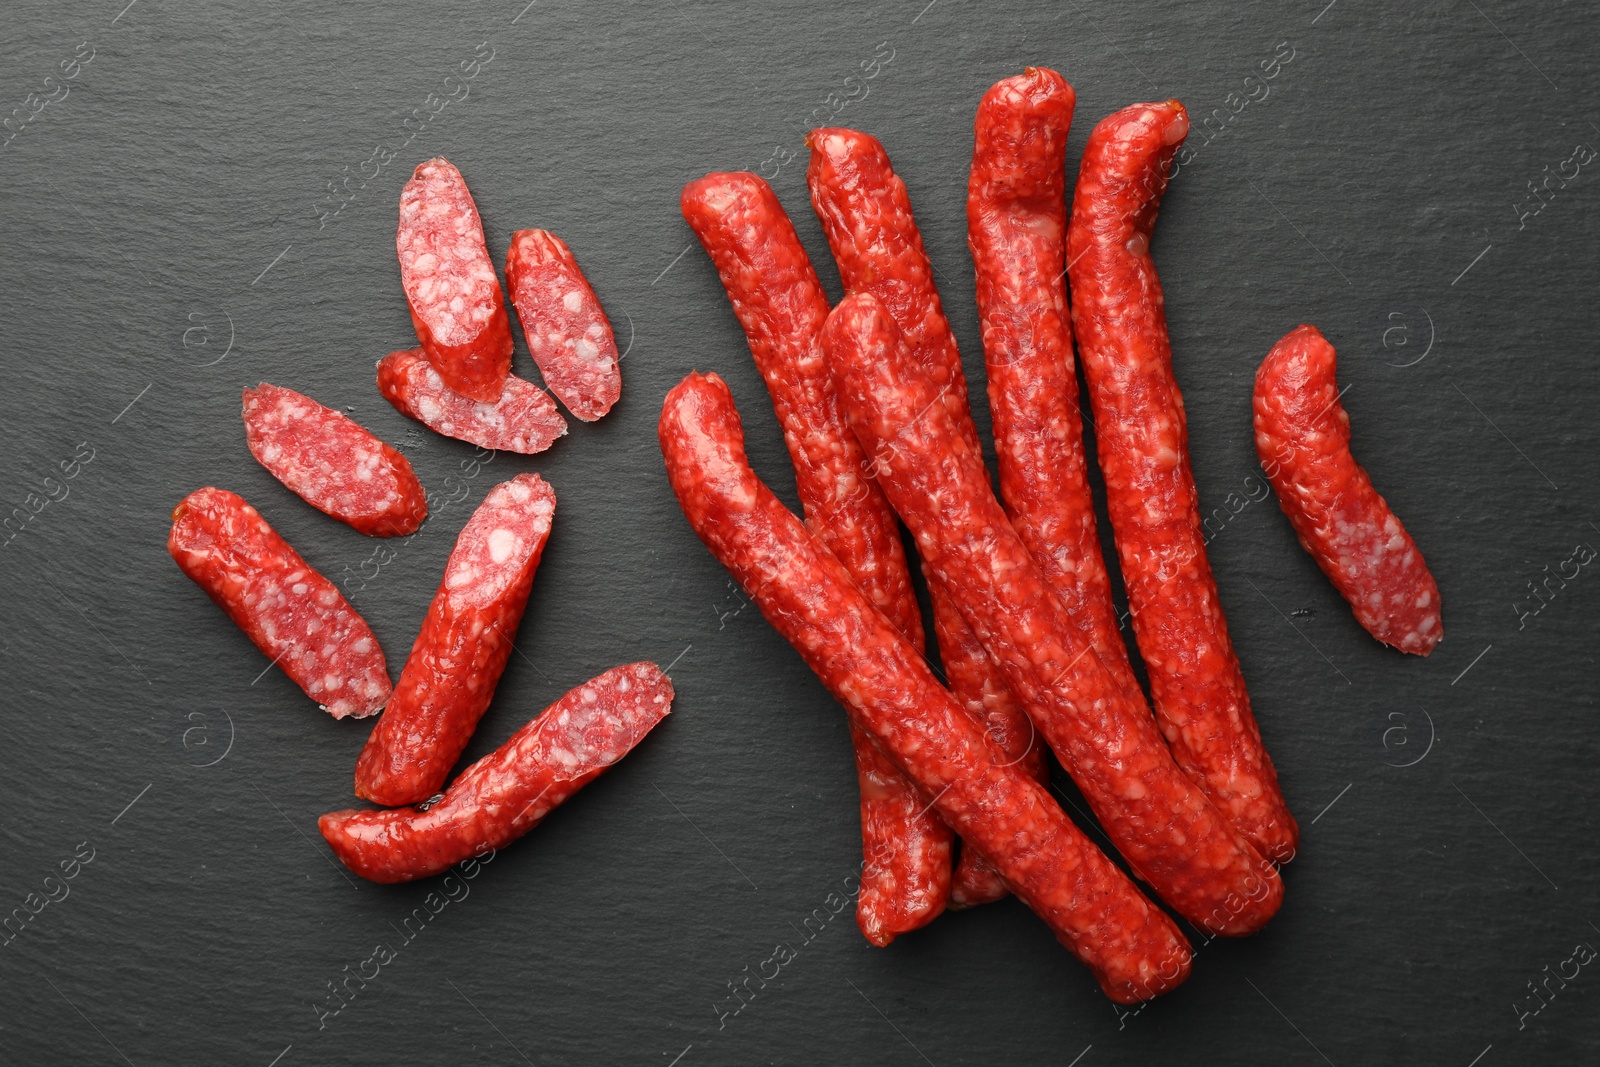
column 523, row 420
column 1165, row 827
column 566, row 328
column 1141, row 439
column 466, row 638
column 456, row 302
column 866, row 216
column 333, row 463
column 1133, row 949
column 1303, row 440
column 293, row 614
column 510, row 791
column 905, row 879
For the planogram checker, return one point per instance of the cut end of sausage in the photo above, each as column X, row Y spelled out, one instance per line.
column 524, row 420
column 567, row 331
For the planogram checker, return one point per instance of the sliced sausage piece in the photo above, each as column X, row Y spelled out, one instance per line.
column 905, row 846
column 1130, row 945
column 567, row 329
column 333, row 463
column 456, row 662
column 1165, row 827
column 523, row 420
column 456, row 302
column 1141, row 440
column 294, row 615
column 1303, row 439
column 511, row 790
column 866, row 216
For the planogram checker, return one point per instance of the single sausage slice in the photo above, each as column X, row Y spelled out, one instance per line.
column 523, row 420
column 905, row 846
column 866, row 215
column 1303, row 440
column 510, row 791
column 1141, row 440
column 294, row 615
column 567, row 329
column 466, row 638
column 1165, row 827
column 333, row 463
column 456, row 302
column 1130, row 945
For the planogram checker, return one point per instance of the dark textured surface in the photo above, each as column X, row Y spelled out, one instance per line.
column 168, row 205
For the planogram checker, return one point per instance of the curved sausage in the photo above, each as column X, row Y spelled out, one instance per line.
column 1131, row 946
column 1303, row 440
column 1141, row 439
column 456, row 662
column 905, row 878
column 1156, row 816
column 510, row 791
column 293, row 614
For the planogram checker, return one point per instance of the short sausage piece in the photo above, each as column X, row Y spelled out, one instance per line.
column 1303, row 440
column 294, row 615
column 523, row 420
column 333, row 463
column 456, row 662
column 866, row 215
column 1133, row 949
column 1141, row 439
column 905, row 847
column 456, row 302
column 1165, row 827
column 508, row 792
column 567, row 329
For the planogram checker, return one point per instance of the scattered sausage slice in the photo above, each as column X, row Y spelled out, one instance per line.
column 1160, row 820
column 567, row 329
column 905, row 877
column 510, row 791
column 333, row 463
column 456, row 662
column 456, row 302
column 866, row 216
column 1131, row 946
column 1303, row 440
column 294, row 615
column 523, row 420
column 1141, row 440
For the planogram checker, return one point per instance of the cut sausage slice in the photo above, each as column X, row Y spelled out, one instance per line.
column 333, row 463
column 456, row 302
column 568, row 333
column 294, row 615
column 511, row 790
column 1303, row 440
column 456, row 662
column 1129, row 944
column 523, row 420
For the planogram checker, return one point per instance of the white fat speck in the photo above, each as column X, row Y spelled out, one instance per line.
column 502, row 544
column 573, row 301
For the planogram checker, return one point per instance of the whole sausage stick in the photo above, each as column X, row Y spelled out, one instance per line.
column 1165, row 827
column 905, row 877
column 1142, row 444
column 1303, row 440
column 1131, row 946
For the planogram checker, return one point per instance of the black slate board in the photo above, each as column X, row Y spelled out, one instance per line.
column 162, row 249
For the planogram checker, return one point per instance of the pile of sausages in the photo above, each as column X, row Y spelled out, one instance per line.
column 874, row 409
column 459, row 383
